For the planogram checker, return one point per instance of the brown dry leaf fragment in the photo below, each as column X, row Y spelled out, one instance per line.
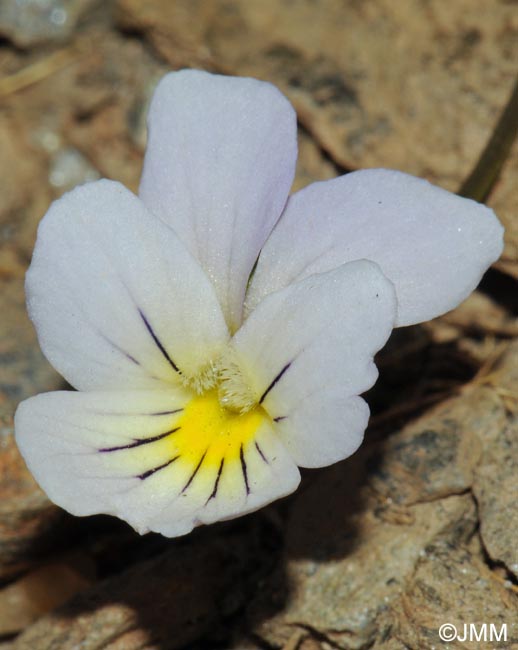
column 105, row 139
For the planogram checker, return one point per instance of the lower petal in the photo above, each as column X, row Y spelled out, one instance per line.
column 164, row 461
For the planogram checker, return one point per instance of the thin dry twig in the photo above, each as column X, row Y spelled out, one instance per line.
column 37, row 71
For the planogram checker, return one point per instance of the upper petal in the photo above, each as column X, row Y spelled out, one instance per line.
column 116, row 299
column 307, row 353
column 432, row 244
column 142, row 456
column 218, row 168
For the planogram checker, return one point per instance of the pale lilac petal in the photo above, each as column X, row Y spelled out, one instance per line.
column 432, row 244
column 307, row 353
column 123, row 454
column 117, row 300
column 218, row 168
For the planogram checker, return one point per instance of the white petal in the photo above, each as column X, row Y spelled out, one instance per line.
column 307, row 352
column 432, row 244
column 134, row 455
column 270, row 474
column 61, row 435
column 218, row 168
column 116, row 299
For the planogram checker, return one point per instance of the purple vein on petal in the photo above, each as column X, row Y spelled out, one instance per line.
column 274, row 381
column 150, row 472
column 244, row 469
column 141, row 441
column 194, row 473
column 157, row 341
column 260, row 452
column 119, row 349
column 216, row 483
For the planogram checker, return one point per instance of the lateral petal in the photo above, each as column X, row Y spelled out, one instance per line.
column 116, row 299
column 307, row 353
column 433, row 245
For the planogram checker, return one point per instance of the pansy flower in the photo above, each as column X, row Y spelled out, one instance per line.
column 202, row 386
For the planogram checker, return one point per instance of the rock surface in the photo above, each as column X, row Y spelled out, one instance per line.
column 366, row 536
column 32, row 22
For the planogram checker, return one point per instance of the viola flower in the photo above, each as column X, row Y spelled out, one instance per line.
column 201, row 391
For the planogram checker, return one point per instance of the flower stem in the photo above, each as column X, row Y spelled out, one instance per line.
column 485, row 173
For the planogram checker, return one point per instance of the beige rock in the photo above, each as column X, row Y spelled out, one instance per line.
column 27, row 519
column 369, row 81
column 504, row 200
column 33, row 22
column 435, row 455
column 495, row 486
column 360, row 530
column 419, row 88
column 22, row 602
column 348, row 556
column 382, row 548
column 454, row 586
column 312, row 164
column 167, row 602
column 21, row 169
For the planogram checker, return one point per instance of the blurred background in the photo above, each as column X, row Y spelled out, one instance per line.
column 417, row 529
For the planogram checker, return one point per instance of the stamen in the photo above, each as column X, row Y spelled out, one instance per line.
column 204, row 380
column 227, row 375
column 234, row 389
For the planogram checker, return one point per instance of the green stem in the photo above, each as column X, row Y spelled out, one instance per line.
column 481, row 180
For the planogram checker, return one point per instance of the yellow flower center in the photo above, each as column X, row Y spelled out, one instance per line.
column 209, row 430
column 214, row 443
